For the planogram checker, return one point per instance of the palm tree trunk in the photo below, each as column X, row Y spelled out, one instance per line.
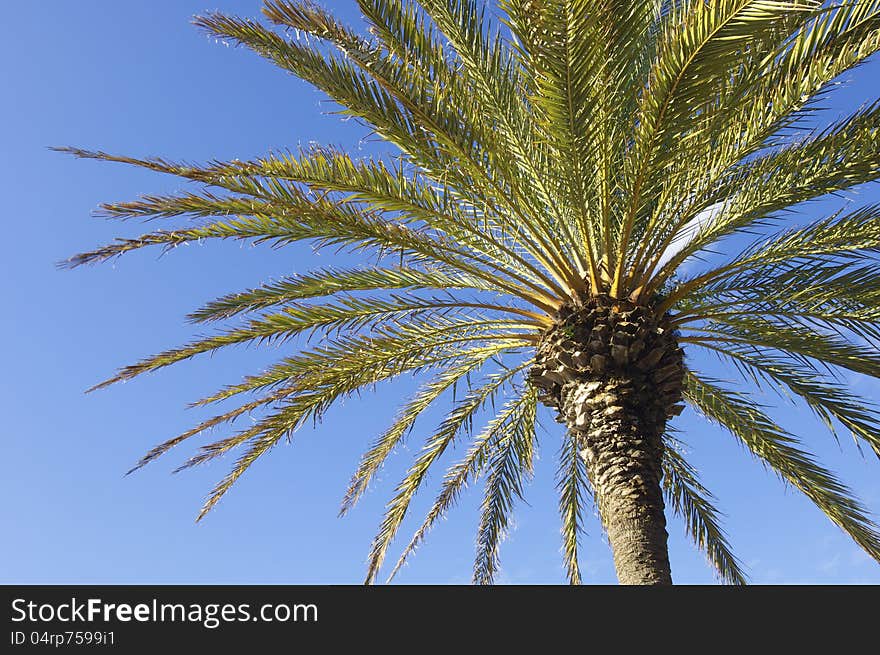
column 621, row 437
column 614, row 372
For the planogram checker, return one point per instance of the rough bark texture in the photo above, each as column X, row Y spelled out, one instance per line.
column 623, row 454
column 614, row 370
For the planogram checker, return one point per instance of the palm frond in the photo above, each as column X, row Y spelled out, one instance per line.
column 778, row 450
column 693, row 503
column 331, row 281
column 827, row 161
column 408, row 194
column 284, row 214
column 458, row 419
column 373, row 459
column 835, row 292
column 700, row 43
column 495, row 86
column 504, row 483
column 468, row 469
column 347, row 313
column 800, row 342
column 409, row 94
column 829, row 399
column 574, row 489
column 757, row 109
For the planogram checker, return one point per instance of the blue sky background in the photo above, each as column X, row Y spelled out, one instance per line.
column 135, row 77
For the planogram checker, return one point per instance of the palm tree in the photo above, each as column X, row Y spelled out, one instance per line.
column 559, row 161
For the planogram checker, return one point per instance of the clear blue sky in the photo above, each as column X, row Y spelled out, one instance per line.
column 135, row 77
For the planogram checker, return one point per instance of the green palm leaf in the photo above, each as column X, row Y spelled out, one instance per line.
column 573, row 488
column 504, row 482
column 777, row 450
column 693, row 502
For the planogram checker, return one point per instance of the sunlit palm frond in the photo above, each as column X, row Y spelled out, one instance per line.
column 330, row 281
column 777, row 449
column 466, row 470
column 375, row 457
column 507, row 468
column 835, row 159
column 829, row 399
column 693, row 503
column 699, row 43
column 574, row 491
column 458, row 419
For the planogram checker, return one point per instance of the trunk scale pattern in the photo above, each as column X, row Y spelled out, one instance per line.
column 613, row 370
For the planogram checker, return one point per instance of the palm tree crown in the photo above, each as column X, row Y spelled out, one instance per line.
column 559, row 160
